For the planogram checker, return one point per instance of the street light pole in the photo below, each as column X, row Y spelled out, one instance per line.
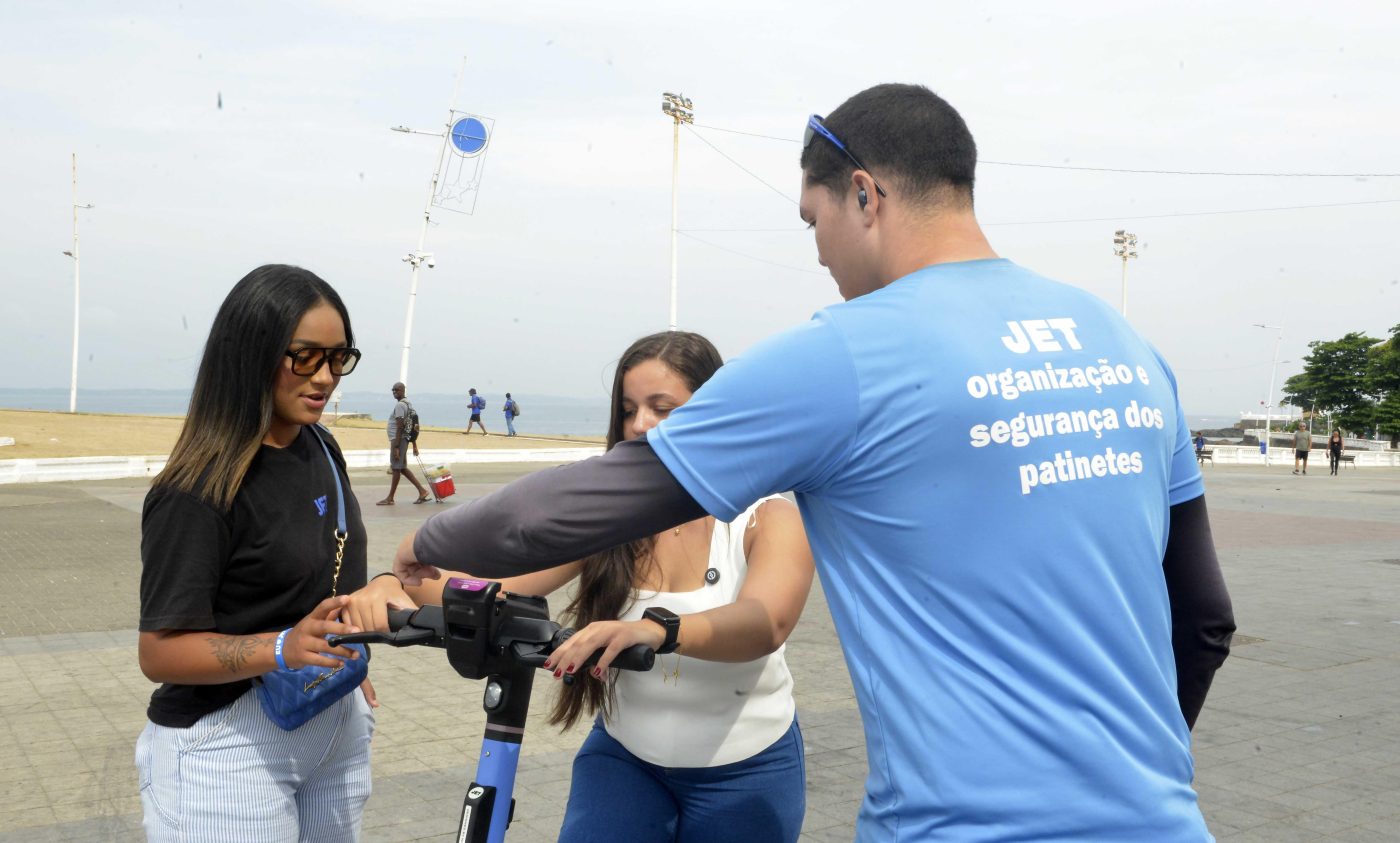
column 1125, row 246
column 418, row 257
column 678, row 107
column 73, row 383
column 1269, row 408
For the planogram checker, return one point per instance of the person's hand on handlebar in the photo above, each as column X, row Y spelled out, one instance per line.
column 369, row 607
column 612, row 637
column 306, row 643
column 407, row 567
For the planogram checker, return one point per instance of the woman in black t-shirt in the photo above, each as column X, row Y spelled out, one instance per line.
column 238, row 552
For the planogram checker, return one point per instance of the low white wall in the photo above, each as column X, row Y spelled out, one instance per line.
column 55, row 469
column 1249, row 455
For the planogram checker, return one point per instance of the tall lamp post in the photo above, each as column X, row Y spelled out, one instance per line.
column 418, row 257
column 73, row 383
column 1125, row 246
column 678, row 107
column 1273, row 373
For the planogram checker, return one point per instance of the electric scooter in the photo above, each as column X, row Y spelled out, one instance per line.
column 501, row 637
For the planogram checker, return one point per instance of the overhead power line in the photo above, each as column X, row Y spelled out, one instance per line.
column 1118, row 218
column 1195, row 172
column 741, row 166
column 1122, row 217
column 1141, row 171
column 749, row 257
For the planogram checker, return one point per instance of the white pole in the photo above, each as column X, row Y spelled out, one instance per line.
column 1124, row 309
column 1269, row 409
column 416, row 259
column 73, row 385
column 675, row 167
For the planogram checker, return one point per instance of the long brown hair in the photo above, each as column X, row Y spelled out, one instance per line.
column 605, row 585
column 231, row 408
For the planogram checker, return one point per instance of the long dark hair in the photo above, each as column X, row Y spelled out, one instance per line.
column 232, row 405
column 605, row 588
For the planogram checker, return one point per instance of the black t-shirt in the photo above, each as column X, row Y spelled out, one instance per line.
column 260, row 567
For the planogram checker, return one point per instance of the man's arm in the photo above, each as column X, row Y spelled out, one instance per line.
column 559, row 515
column 1203, row 621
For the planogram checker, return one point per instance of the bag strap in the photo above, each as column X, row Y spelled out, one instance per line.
column 340, row 532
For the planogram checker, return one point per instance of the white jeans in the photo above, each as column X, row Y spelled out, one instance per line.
column 235, row 776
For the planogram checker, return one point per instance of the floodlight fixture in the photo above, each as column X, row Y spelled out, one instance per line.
column 1125, row 247
column 679, row 108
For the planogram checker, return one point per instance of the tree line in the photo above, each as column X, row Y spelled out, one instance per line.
column 1356, row 379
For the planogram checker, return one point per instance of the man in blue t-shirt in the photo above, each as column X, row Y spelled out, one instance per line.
column 1006, row 510
column 476, row 405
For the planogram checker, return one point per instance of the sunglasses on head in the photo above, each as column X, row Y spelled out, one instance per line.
column 815, row 127
column 308, row 361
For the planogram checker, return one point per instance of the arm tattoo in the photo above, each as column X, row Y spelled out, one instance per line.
column 234, row 652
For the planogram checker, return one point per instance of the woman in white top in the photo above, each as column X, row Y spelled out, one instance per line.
column 705, row 746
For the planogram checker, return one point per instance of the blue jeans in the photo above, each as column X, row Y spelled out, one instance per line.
column 235, row 777
column 618, row 798
column 510, row 428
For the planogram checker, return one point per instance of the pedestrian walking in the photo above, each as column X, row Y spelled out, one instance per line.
column 403, row 428
column 476, row 404
column 512, row 409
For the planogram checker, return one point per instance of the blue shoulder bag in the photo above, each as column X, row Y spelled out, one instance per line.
column 290, row 697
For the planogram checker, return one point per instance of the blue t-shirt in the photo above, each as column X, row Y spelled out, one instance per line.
column 985, row 460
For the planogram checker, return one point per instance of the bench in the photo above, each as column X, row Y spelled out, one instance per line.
column 1347, row 458
column 1204, row 456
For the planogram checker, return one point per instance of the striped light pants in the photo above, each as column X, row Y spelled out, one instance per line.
column 234, row 776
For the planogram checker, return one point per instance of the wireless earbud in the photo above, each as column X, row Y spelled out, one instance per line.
column 862, row 199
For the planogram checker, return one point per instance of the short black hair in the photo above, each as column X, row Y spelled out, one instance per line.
column 904, row 133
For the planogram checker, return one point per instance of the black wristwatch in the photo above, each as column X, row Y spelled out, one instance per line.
column 669, row 621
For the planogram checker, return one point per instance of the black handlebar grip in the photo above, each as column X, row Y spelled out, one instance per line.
column 398, row 618
column 637, row 657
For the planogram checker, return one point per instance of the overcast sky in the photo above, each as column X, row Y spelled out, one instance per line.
column 567, row 257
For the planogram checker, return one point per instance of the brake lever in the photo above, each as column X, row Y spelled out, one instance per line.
column 530, row 654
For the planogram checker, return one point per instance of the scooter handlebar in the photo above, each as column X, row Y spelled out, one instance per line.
column 400, row 633
column 638, row 657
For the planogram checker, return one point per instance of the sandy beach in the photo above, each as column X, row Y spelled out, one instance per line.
column 43, row 434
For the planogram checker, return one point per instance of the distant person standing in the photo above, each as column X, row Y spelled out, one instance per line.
column 1302, row 443
column 1200, row 443
column 1334, row 451
column 477, row 404
column 512, row 410
column 403, row 433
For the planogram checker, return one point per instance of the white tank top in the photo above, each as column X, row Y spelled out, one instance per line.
column 715, row 712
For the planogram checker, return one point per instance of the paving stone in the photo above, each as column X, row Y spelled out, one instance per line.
column 1300, row 739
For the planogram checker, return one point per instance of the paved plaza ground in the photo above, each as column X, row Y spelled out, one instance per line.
column 1300, row 739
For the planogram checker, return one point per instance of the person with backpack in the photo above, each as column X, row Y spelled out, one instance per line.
column 403, row 429
column 477, row 404
column 512, row 410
